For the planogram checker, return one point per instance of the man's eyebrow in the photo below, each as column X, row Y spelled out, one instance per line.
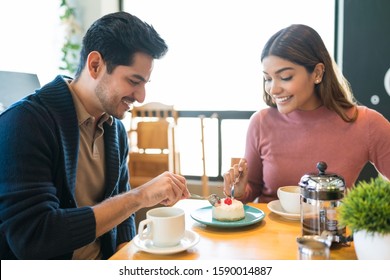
column 281, row 70
column 139, row 77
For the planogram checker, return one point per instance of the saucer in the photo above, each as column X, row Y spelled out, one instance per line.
column 189, row 240
column 275, row 207
column 204, row 216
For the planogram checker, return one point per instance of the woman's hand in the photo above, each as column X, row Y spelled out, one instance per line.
column 237, row 173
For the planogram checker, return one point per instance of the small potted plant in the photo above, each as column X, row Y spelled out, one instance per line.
column 365, row 210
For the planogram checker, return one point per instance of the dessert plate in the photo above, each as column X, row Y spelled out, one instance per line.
column 204, row 216
column 189, row 240
column 275, row 207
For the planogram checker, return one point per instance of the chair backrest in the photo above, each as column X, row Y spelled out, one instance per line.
column 152, row 142
column 234, row 161
column 153, row 135
column 155, row 110
column 152, row 120
column 16, row 85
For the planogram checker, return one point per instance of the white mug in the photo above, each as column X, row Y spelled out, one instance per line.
column 165, row 226
column 290, row 199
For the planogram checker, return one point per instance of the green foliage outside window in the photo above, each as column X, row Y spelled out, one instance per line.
column 72, row 44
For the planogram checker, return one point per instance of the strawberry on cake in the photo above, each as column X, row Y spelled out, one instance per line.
column 229, row 210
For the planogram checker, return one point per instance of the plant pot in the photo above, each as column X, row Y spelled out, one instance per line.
column 371, row 246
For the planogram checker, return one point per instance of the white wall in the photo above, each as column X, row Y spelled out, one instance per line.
column 91, row 10
column 30, row 40
column 32, row 35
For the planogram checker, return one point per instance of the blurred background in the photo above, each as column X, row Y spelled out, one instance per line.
column 212, row 70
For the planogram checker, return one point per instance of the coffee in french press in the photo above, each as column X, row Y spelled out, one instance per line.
column 321, row 196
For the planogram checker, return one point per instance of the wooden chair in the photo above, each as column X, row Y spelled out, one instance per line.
column 152, row 142
column 234, row 161
column 204, row 178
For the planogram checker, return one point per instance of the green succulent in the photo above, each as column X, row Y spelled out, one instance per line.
column 366, row 206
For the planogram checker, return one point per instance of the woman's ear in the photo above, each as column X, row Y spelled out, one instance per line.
column 319, row 73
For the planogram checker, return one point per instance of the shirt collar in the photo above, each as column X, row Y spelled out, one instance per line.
column 82, row 115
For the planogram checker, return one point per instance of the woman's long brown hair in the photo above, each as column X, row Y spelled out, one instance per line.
column 302, row 45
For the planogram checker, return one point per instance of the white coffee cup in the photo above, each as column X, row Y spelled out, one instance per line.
column 165, row 226
column 290, row 199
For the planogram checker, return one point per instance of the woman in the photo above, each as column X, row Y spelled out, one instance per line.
column 312, row 117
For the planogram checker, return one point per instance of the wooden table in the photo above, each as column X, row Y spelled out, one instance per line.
column 274, row 238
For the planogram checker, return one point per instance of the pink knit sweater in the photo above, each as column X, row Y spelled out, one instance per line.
column 280, row 148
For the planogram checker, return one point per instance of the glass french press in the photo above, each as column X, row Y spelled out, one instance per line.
column 321, row 195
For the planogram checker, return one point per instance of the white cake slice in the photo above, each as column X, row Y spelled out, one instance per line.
column 229, row 210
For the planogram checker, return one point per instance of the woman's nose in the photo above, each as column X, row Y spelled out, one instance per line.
column 273, row 88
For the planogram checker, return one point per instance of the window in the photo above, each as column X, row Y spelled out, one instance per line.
column 30, row 37
column 213, row 64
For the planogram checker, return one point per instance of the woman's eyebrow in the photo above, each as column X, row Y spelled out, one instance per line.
column 281, row 70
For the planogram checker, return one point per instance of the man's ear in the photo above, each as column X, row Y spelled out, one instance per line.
column 95, row 63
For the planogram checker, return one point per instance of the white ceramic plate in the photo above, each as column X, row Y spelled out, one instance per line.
column 276, row 208
column 189, row 240
column 204, row 216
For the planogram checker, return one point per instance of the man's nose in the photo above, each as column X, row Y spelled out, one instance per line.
column 140, row 94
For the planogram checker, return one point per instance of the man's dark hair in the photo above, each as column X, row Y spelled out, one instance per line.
column 117, row 37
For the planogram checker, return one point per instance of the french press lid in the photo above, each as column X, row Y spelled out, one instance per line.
column 322, row 186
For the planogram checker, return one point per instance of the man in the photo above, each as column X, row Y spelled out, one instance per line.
column 64, row 191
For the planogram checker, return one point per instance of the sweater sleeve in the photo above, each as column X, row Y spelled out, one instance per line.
column 379, row 142
column 38, row 219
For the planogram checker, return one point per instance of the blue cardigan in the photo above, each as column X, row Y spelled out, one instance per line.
column 39, row 218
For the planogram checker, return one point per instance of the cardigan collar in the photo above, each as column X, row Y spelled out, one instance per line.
column 57, row 97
